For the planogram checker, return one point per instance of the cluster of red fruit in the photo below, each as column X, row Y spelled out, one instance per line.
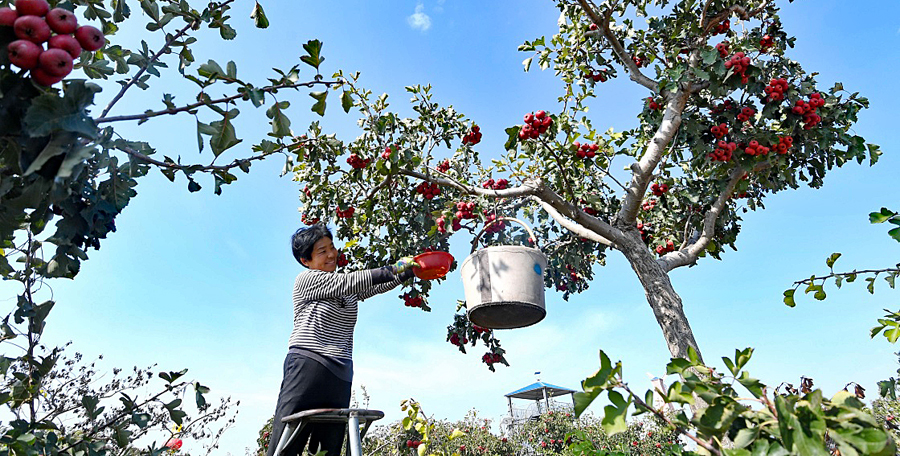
column 652, row 104
column 766, row 42
column 754, row 148
column 491, row 358
column 442, row 225
column 388, row 151
column 776, row 89
column 428, row 190
column 174, row 444
column 34, row 23
column 664, row 249
column 719, row 130
column 807, row 109
column 599, row 76
column 342, row 260
column 346, row 213
column 644, row 229
column 464, row 210
column 473, row 137
column 308, row 220
column 739, row 63
column 723, row 152
column 358, row 162
column 572, row 274
column 639, row 60
column 455, row 339
column 413, row 443
column 412, row 301
column 536, row 124
column 499, row 184
column 479, row 329
column 723, row 49
column 584, row 151
column 784, row 144
column 589, row 210
column 659, row 189
column 746, row 114
column 444, row 166
column 495, row 227
column 721, row 107
column 649, row 204
column 722, row 27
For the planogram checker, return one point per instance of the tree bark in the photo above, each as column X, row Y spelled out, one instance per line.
column 661, row 296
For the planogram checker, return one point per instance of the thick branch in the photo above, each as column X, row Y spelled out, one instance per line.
column 642, row 171
column 584, row 225
column 568, row 224
column 618, row 49
column 690, row 254
column 192, row 106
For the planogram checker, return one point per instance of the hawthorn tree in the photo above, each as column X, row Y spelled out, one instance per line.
column 729, row 119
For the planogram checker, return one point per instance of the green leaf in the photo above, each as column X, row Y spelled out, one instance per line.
column 227, row 32
column 60, row 143
column 259, row 17
column 888, row 388
column 313, row 58
column 193, row 186
column 789, row 298
column 346, row 101
column 231, row 69
column 614, row 415
column 745, row 437
column 583, row 400
column 140, row 419
column 225, row 136
column 200, row 390
column 210, row 69
column 281, row 124
column 513, row 141
column 319, row 106
column 753, row 385
column 880, row 217
column 49, row 113
column 830, row 261
column 895, row 233
column 527, row 63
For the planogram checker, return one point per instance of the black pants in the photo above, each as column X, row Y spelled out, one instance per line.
column 309, row 385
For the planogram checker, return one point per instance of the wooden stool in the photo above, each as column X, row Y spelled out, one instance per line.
column 294, row 424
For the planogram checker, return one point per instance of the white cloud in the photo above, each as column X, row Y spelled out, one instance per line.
column 419, row 20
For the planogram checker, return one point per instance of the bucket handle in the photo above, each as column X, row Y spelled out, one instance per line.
column 500, row 219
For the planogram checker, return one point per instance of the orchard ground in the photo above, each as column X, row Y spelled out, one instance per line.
column 202, row 281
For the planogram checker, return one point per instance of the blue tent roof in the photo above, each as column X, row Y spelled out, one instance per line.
column 534, row 391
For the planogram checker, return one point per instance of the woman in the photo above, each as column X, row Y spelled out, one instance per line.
column 318, row 369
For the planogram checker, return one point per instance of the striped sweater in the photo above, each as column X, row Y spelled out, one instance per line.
column 325, row 308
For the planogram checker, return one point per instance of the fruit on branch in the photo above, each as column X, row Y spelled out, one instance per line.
column 648, row 205
column 388, row 151
column 653, row 105
column 784, row 144
column 346, row 213
column 473, row 136
column 739, row 62
column 499, row 184
column 358, row 162
column 659, row 189
column 24, row 54
column 56, row 62
column 491, row 358
column 755, row 148
column 413, row 300
column 67, row 43
column 719, row 131
column 307, row 220
column 585, row 151
column 495, row 227
column 174, row 444
column 464, row 210
column 721, row 107
column 342, row 260
column 766, row 42
column 536, row 124
column 43, row 78
column 8, row 16
column 776, row 89
column 62, row 21
column 723, row 152
column 723, row 49
column 428, row 190
column 722, row 27
column 32, row 7
column 32, row 28
column 746, row 113
column 444, row 166
column 807, row 109
column 640, row 60
column 90, row 38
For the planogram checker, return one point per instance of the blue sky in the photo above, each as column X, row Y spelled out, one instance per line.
column 202, row 282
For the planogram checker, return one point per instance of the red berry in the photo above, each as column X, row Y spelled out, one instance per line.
column 24, row 54
column 56, row 62
column 32, row 7
column 67, row 43
column 89, row 37
column 32, row 28
column 62, row 21
column 8, row 16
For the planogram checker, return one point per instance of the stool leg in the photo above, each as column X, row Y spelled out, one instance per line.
column 285, row 436
column 353, row 434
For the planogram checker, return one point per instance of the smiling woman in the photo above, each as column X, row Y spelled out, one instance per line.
column 318, row 369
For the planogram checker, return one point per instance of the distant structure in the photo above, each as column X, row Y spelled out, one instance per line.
column 541, row 397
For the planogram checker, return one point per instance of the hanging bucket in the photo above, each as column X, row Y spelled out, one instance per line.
column 504, row 285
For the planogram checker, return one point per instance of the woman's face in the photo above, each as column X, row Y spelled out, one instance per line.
column 323, row 257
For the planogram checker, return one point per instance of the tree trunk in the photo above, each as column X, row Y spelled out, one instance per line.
column 666, row 304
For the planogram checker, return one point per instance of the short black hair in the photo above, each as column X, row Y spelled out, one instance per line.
column 303, row 240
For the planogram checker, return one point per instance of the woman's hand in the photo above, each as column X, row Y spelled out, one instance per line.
column 404, row 264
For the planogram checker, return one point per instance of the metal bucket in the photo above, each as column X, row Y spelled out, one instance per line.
column 504, row 285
